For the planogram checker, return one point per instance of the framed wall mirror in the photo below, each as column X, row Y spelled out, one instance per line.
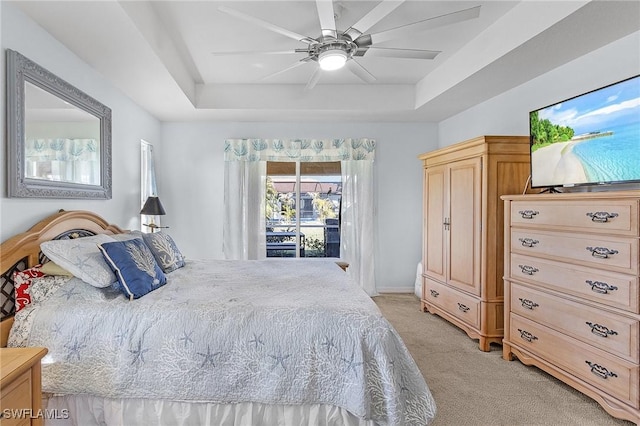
column 59, row 138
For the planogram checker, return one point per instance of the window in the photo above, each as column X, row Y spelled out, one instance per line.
column 302, row 209
column 147, row 182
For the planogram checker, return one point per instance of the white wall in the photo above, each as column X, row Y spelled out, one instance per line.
column 129, row 124
column 191, row 173
column 508, row 113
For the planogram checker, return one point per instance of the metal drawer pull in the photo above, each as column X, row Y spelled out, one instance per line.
column 601, row 252
column 601, row 330
column 525, row 335
column 528, row 214
column 601, row 287
column 601, row 216
column 529, row 304
column 434, row 293
column 528, row 270
column 463, row 308
column 600, row 371
column 528, row 242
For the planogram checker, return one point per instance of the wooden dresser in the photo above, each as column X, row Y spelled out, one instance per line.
column 463, row 230
column 572, row 300
column 20, row 386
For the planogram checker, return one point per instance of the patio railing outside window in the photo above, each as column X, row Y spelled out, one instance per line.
column 303, row 209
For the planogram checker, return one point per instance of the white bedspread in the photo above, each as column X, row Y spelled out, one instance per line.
column 273, row 331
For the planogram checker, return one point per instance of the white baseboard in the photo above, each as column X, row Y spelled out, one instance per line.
column 396, row 290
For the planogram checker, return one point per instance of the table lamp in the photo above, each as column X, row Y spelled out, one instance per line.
column 153, row 207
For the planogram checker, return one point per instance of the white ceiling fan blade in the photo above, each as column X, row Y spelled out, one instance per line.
column 267, row 25
column 390, row 52
column 383, row 8
column 295, row 65
column 327, row 18
column 360, row 71
column 249, row 52
column 313, row 80
column 427, row 24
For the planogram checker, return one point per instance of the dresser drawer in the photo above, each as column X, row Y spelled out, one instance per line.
column 462, row 306
column 613, row 375
column 612, row 253
column 608, row 331
column 16, row 396
column 609, row 288
column 612, row 217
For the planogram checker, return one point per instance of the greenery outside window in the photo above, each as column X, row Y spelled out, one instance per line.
column 302, row 209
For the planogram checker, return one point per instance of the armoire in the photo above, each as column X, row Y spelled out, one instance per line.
column 463, row 230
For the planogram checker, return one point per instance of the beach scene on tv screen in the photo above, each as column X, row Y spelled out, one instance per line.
column 592, row 138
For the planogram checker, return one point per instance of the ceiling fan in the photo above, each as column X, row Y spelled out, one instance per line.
column 334, row 49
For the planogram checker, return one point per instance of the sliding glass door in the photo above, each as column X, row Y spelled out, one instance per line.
column 303, row 201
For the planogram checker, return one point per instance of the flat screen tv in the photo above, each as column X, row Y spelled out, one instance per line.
column 590, row 139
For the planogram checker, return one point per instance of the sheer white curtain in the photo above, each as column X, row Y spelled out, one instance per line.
column 245, row 186
column 244, row 229
column 357, row 235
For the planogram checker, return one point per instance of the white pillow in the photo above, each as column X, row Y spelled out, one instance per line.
column 82, row 258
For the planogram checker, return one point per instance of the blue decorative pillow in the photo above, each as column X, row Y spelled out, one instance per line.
column 134, row 265
column 165, row 251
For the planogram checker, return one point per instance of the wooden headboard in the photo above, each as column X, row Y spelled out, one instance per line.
column 22, row 251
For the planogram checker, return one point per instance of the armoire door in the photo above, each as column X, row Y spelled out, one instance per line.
column 434, row 223
column 464, row 188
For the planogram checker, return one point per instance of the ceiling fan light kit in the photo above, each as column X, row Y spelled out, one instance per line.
column 332, row 59
column 333, row 48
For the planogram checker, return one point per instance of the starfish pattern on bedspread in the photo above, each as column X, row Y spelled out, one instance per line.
column 256, row 340
column 332, row 345
column 279, row 360
column 74, row 349
column 352, row 365
column 186, row 338
column 209, row 358
column 329, row 344
column 69, row 293
column 56, row 328
column 138, row 353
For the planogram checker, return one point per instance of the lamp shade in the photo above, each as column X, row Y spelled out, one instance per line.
column 153, row 207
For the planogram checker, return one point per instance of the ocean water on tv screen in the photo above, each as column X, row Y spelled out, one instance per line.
column 614, row 157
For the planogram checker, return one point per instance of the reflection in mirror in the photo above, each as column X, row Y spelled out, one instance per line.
column 62, row 142
column 59, row 138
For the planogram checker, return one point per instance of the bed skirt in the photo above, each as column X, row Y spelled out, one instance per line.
column 86, row 410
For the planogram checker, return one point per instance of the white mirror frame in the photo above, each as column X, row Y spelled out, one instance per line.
column 21, row 70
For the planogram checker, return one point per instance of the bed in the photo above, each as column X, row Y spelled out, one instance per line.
column 278, row 341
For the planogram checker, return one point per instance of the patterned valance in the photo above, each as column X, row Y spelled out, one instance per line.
column 303, row 150
column 61, row 149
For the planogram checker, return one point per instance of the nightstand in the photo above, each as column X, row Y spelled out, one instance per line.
column 20, row 386
column 343, row 265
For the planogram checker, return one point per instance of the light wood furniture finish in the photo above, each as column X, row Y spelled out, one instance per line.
column 343, row 265
column 20, row 386
column 572, row 292
column 463, row 230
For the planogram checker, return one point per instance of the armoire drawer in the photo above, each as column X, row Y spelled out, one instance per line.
column 614, row 375
column 612, row 253
column 612, row 217
column 462, row 306
column 608, row 331
column 609, row 288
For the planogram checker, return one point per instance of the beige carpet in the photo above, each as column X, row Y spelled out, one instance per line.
column 472, row 387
